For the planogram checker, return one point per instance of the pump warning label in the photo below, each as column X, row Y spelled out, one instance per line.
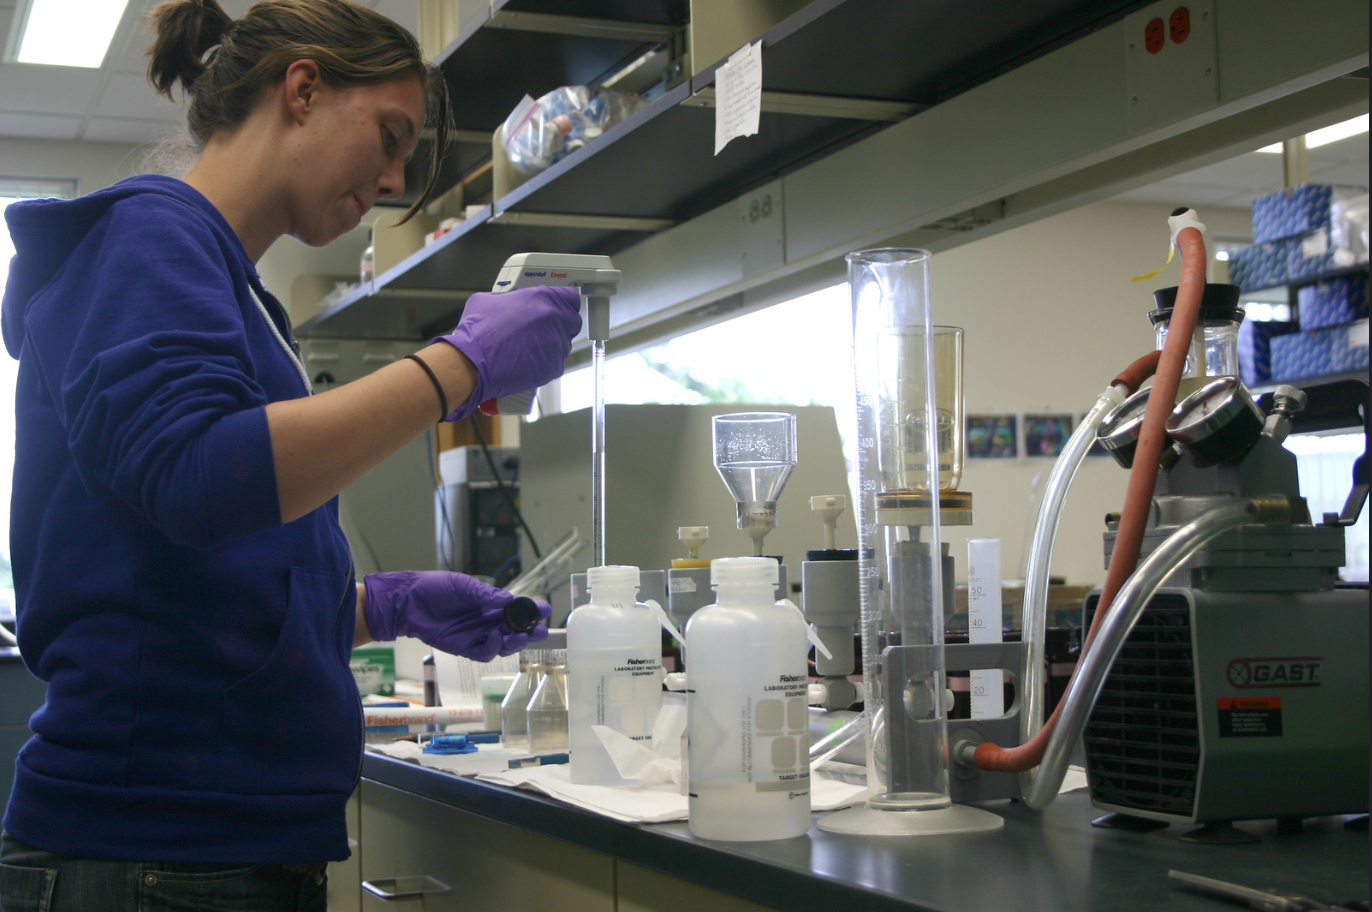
column 1250, row 717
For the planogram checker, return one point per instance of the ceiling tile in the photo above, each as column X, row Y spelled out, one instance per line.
column 1354, row 173
column 1174, row 193
column 125, row 130
column 1353, row 148
column 1244, row 199
column 131, row 96
column 39, row 126
column 132, row 39
column 1249, row 170
column 48, row 89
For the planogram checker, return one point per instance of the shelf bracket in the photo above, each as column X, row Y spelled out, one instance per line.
column 592, row 222
column 820, row 105
column 553, row 24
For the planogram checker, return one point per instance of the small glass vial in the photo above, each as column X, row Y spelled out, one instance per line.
column 548, row 707
column 514, row 719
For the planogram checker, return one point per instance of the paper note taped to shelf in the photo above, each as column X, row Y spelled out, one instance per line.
column 1357, row 334
column 738, row 95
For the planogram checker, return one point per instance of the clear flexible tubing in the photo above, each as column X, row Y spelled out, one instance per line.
column 844, row 735
column 1139, row 494
column 1034, row 621
column 1124, row 614
column 1035, row 617
column 835, row 742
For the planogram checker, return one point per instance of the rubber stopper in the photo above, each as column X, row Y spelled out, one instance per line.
column 522, row 615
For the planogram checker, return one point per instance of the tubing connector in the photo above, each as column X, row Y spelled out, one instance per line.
column 1273, row 509
column 1286, row 401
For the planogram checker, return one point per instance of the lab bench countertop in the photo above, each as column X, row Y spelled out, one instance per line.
column 1050, row 860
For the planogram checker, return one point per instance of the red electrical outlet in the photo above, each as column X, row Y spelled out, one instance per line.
column 1154, row 34
column 1179, row 25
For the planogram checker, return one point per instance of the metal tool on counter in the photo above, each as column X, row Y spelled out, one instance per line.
column 1269, row 900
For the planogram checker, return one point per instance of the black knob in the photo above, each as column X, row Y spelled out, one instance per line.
column 522, row 615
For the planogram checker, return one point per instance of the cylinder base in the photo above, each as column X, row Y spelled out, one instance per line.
column 867, row 821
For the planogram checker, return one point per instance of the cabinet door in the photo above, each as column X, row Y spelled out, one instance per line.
column 345, row 876
column 645, row 890
column 486, row 864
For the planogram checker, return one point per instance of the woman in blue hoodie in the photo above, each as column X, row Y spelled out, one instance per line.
column 183, row 584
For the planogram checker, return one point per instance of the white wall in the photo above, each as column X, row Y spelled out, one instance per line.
column 93, row 165
column 1051, row 317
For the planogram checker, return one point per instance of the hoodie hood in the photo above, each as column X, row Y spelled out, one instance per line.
column 46, row 231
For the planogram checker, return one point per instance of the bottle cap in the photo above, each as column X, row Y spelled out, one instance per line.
column 522, row 615
column 613, row 577
column 758, row 570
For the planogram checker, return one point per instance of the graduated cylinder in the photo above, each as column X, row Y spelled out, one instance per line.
column 747, row 720
column 614, row 671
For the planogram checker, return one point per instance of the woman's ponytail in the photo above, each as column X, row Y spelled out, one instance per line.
column 184, row 30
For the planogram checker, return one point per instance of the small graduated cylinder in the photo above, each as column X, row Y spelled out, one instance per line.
column 985, row 623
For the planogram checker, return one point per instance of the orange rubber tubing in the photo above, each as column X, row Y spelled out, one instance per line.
column 1133, row 376
column 1139, row 495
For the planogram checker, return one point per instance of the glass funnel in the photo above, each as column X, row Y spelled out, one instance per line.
column 896, row 355
column 755, row 453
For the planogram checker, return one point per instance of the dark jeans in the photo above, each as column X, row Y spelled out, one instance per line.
column 32, row 880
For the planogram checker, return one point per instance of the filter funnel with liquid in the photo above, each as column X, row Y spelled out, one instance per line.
column 755, row 454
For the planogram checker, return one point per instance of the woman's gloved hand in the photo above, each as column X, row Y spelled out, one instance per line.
column 517, row 340
column 448, row 611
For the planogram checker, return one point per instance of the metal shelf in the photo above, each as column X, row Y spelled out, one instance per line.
column 1355, row 269
column 498, row 57
column 834, row 73
column 423, row 295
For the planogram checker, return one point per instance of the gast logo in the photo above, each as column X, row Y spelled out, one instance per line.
column 1297, row 671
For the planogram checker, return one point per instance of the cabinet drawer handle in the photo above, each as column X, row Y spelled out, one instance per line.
column 399, row 889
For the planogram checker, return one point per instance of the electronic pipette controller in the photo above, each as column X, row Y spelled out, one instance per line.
column 594, row 276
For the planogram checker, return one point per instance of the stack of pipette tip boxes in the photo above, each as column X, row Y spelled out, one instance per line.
column 1312, row 237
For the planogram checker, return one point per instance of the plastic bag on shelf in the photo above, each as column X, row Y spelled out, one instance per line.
column 538, row 134
column 1348, row 222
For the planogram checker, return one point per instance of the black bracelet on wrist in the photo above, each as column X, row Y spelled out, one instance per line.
column 438, row 387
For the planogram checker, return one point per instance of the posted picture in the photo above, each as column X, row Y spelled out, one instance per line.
column 992, row 437
column 1046, row 434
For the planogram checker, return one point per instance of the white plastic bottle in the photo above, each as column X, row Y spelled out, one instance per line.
column 746, row 709
column 614, row 671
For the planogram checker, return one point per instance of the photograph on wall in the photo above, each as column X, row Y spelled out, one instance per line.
column 1045, row 434
column 992, row 437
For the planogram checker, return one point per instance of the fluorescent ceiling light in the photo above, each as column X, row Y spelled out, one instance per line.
column 1328, row 135
column 74, row 33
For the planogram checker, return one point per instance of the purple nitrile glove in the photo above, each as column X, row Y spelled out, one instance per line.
column 517, row 340
column 448, row 611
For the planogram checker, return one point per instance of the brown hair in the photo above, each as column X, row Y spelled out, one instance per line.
column 225, row 67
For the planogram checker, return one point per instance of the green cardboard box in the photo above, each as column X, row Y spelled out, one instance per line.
column 374, row 670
